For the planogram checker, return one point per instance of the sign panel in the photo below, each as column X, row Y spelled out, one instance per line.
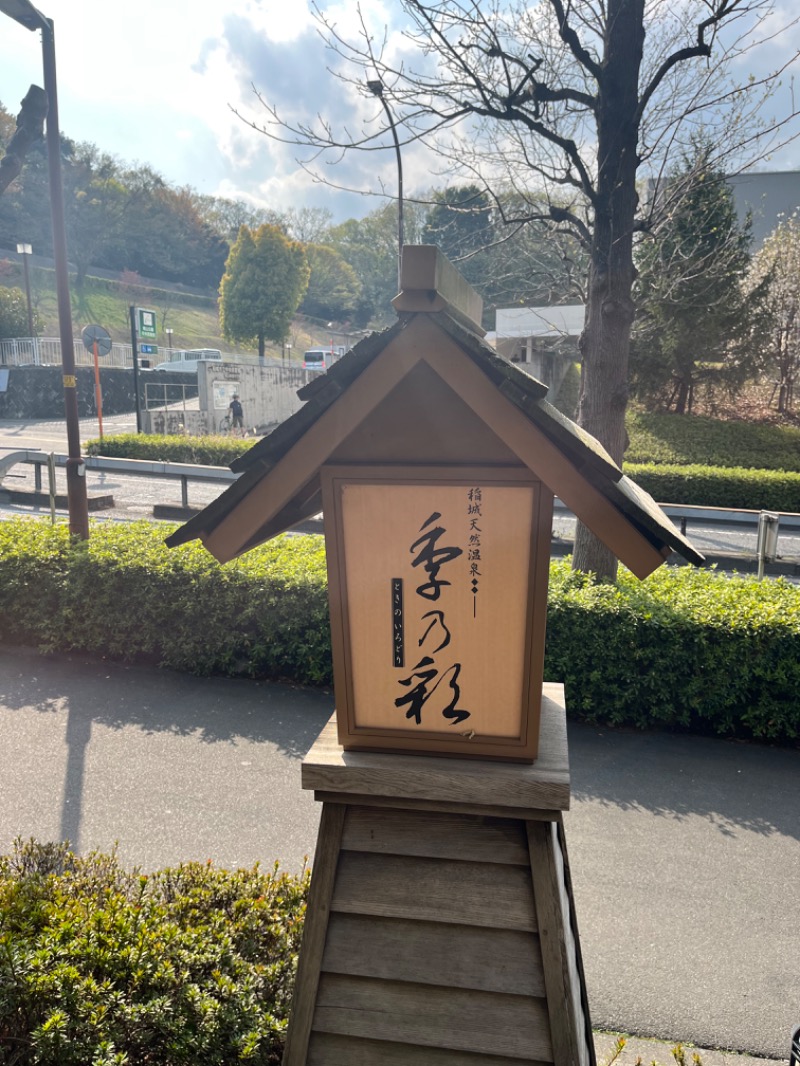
column 148, row 349
column 146, row 323
column 435, row 583
column 222, row 393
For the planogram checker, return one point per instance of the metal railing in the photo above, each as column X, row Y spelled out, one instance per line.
column 46, row 351
column 186, row 472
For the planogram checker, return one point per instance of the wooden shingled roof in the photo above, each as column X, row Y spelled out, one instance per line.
column 280, row 486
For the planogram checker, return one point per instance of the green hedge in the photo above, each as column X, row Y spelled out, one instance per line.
column 103, row 967
column 208, row 451
column 125, row 595
column 685, row 648
column 708, row 486
column 688, row 439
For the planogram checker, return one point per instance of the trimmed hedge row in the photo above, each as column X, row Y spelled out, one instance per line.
column 683, row 649
column 687, row 439
column 713, row 486
column 105, row 967
column 703, row 486
column 170, row 448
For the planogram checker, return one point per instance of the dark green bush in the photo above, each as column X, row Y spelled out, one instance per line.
column 685, row 648
column 124, row 594
column 707, row 486
column 104, row 967
column 207, row 451
column 688, row 439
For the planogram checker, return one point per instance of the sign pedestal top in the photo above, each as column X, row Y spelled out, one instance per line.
column 435, row 781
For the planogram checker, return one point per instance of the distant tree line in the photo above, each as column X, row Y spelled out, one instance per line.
column 129, row 218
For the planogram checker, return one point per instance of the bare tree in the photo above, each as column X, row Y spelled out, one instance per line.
column 564, row 102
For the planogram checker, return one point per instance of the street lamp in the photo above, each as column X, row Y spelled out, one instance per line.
column 375, row 86
column 25, row 250
column 23, row 12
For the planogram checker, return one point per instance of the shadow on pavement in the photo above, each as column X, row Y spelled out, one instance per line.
column 733, row 785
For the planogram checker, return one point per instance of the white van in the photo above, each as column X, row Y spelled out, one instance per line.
column 186, row 362
column 315, row 359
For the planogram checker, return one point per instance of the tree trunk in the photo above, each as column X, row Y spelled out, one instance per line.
column 605, row 342
column 261, row 347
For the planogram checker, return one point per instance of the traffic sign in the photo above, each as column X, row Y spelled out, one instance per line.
column 148, row 349
column 96, row 335
column 146, row 323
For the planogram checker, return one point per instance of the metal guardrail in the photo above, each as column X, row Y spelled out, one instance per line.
column 186, row 472
column 683, row 514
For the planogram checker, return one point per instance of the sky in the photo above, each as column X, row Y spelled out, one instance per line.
column 156, row 82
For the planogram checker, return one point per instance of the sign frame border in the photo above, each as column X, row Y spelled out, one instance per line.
column 522, row 748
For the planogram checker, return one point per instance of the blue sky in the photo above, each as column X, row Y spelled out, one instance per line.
column 154, row 82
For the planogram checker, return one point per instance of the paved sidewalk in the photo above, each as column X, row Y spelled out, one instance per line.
column 639, row 1050
column 685, row 851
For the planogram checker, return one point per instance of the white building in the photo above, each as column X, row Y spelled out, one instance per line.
column 543, row 340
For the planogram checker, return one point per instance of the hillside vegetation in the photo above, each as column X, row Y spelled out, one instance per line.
column 194, row 320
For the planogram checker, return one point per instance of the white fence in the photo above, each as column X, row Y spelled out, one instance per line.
column 46, row 351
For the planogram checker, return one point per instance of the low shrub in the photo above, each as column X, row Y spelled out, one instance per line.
column 124, row 594
column 689, row 439
column 686, row 649
column 683, row 649
column 707, row 486
column 103, row 966
column 170, row 448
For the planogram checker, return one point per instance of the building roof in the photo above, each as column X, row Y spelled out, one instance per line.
column 279, row 484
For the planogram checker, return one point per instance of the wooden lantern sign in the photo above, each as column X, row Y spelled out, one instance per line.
column 435, row 463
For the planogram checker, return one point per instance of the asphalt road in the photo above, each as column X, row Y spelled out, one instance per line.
column 685, row 852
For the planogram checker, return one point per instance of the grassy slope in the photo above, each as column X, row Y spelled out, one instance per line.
column 194, row 320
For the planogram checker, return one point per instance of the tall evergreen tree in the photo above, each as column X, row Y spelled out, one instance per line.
column 696, row 324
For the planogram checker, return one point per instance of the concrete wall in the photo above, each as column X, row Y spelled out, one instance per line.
column 268, row 393
column 33, row 392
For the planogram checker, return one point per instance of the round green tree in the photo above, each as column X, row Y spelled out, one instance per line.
column 14, row 314
column 266, row 277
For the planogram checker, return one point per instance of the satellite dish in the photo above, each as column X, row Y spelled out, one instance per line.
column 97, row 335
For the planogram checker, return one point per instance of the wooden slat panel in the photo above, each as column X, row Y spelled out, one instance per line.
column 316, row 924
column 523, row 814
column 327, row 1049
column 436, row 836
column 465, row 893
column 558, row 954
column 482, row 1022
column 489, row 960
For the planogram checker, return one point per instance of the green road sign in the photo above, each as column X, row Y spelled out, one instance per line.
column 146, row 321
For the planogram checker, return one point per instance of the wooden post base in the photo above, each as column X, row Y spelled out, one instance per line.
column 440, row 930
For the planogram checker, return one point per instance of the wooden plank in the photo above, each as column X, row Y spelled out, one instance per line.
column 435, row 835
column 480, row 1022
column 461, row 893
column 568, row 902
column 472, row 809
column 430, row 282
column 313, row 945
column 543, row 784
column 327, row 1049
column 430, row 953
column 558, row 956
